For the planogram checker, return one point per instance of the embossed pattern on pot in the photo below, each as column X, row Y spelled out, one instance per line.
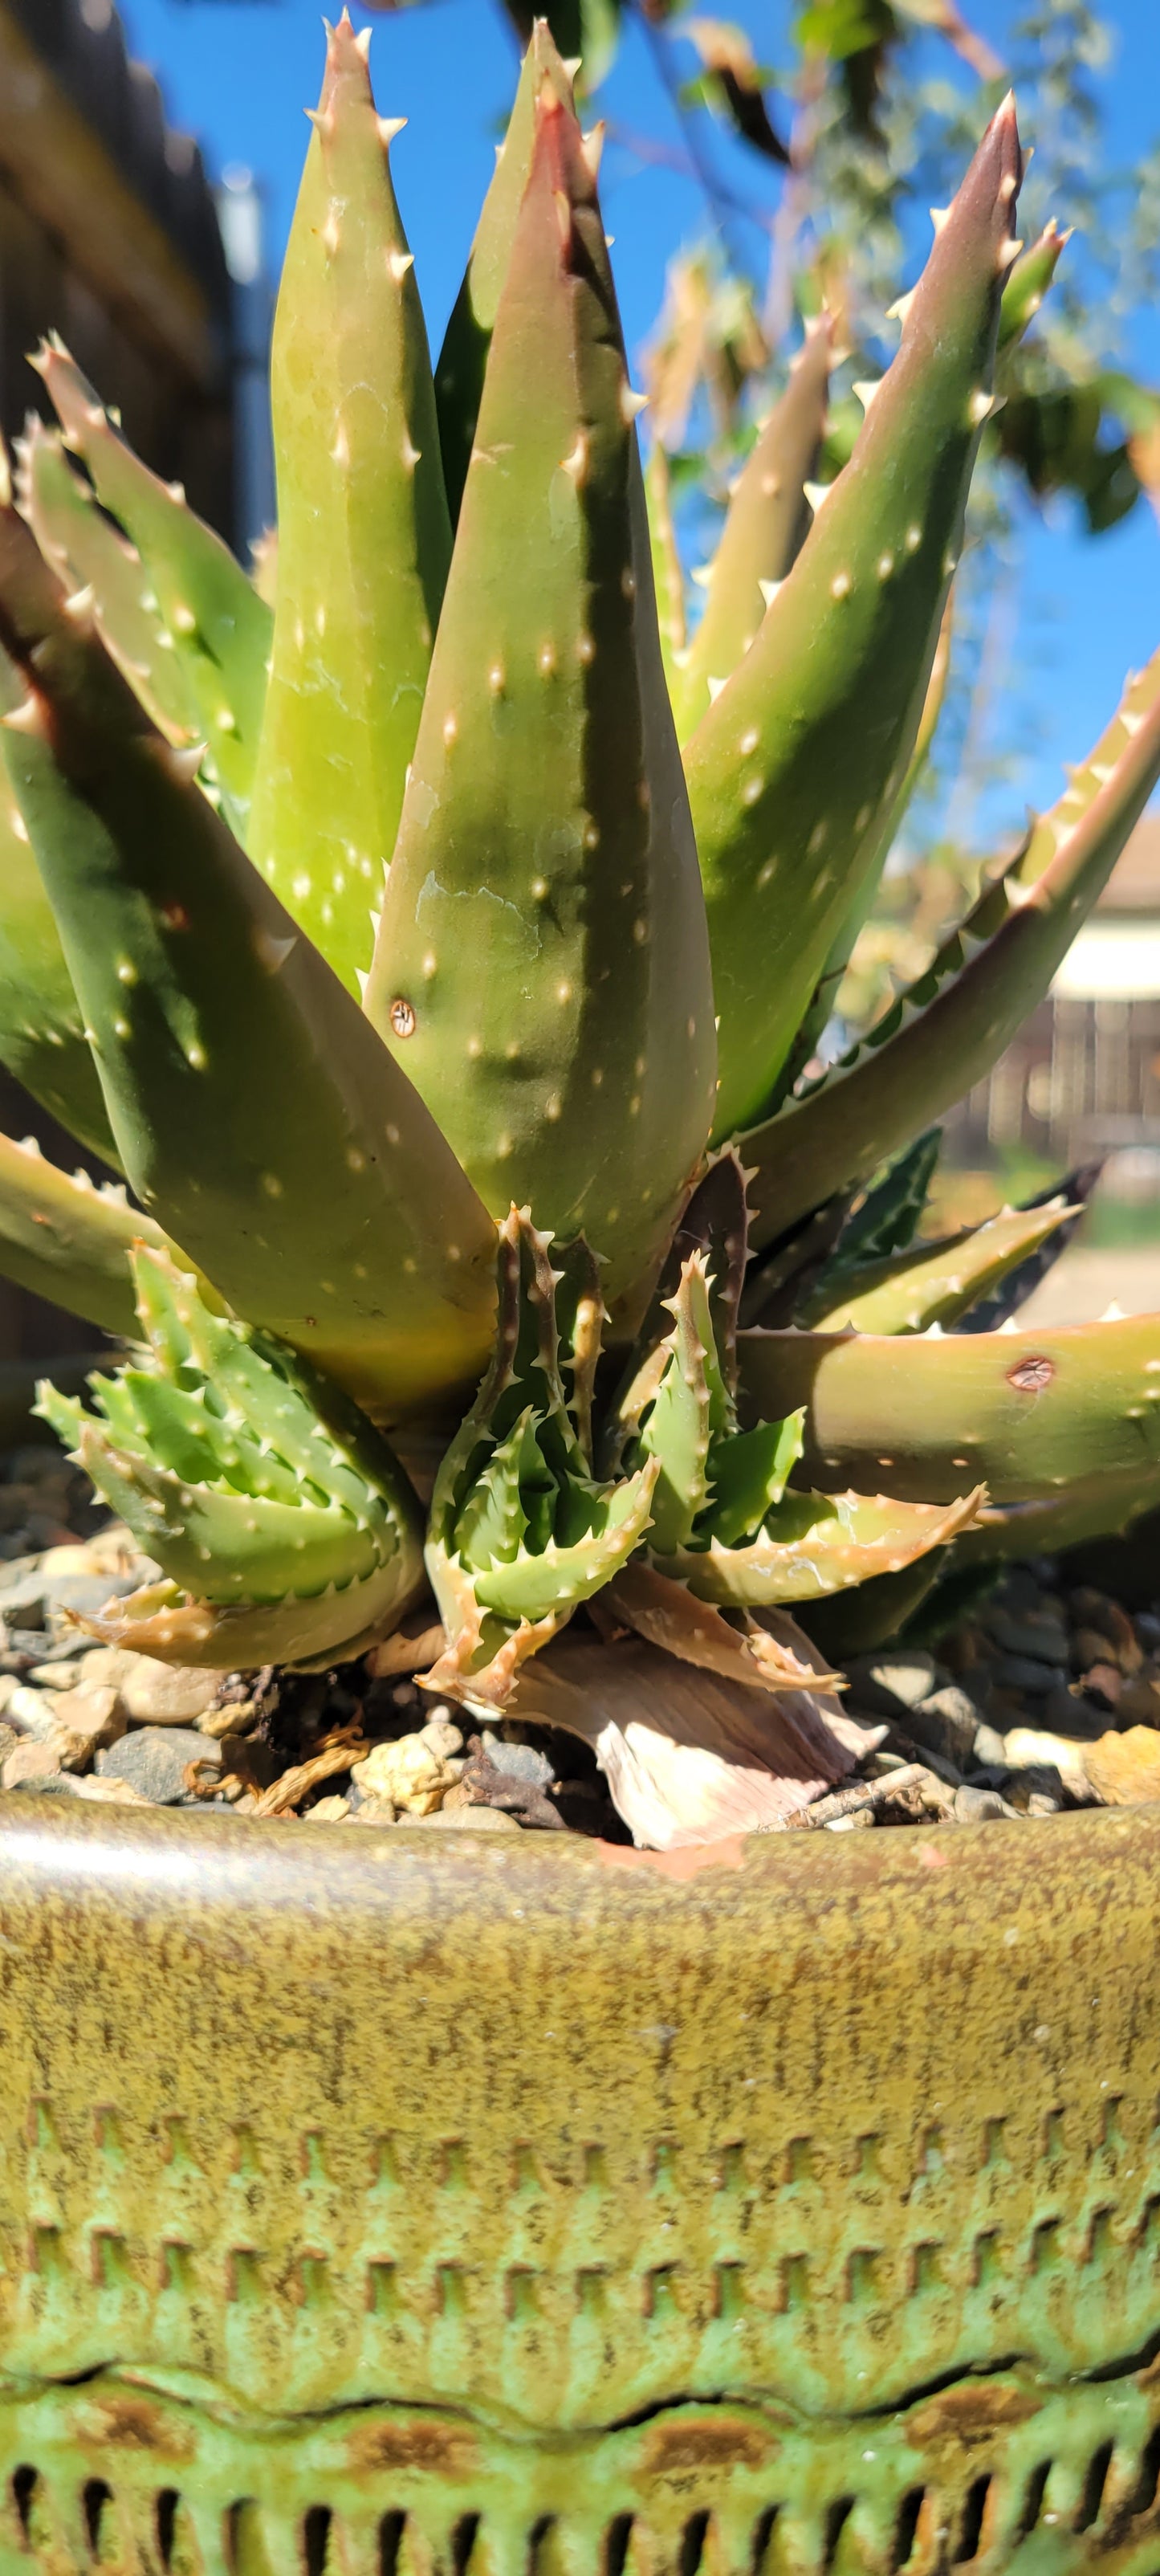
column 559, row 2213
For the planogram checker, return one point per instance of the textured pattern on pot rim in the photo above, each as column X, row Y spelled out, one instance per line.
column 988, row 2475
column 550, row 2133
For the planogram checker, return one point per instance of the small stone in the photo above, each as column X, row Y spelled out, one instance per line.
column 327, row 1811
column 110, row 1793
column 409, row 1772
column 94, row 1714
column 236, row 1718
column 885, row 1684
column 442, row 1734
column 978, row 1806
column 157, row 1694
column 153, row 1759
column 519, row 1761
column 1101, row 1620
column 107, row 1664
column 989, row 1747
column 1139, row 1701
column 1036, row 1790
column 8, row 1683
column 28, row 1762
column 22, row 1600
column 1124, row 1770
column 1023, row 1673
column 1028, row 1634
column 62, row 1563
column 31, row 1711
column 59, row 1676
column 1029, row 1747
column 371, row 1811
column 946, row 1723
column 1104, row 1682
column 1066, row 1712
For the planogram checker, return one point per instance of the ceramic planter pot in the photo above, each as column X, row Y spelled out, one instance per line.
column 399, row 2202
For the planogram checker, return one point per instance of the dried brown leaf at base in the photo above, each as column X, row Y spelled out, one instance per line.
column 668, row 1615
column 689, row 1757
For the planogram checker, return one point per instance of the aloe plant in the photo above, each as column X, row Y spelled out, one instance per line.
column 430, row 1002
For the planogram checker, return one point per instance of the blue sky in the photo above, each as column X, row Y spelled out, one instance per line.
column 240, row 72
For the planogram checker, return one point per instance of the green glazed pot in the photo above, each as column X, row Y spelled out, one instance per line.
column 373, row 2204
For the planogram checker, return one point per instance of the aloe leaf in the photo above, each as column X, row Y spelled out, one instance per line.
column 946, row 1032
column 714, row 1222
column 749, row 1474
column 803, row 753
column 257, row 1116
column 767, row 520
column 580, row 1320
column 462, row 361
column 541, row 1586
column 667, row 1614
column 925, row 1414
column 541, row 967
column 238, row 1516
column 888, row 1217
column 989, row 1313
column 87, row 551
column 64, row 1240
column 42, row 1038
column 680, row 1422
column 1028, row 283
column 519, row 1531
column 815, row 1544
column 364, row 536
column 664, row 555
column 218, row 628
column 931, row 1283
column 1100, row 1508
column 825, row 996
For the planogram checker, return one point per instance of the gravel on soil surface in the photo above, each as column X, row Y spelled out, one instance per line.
column 1046, row 1697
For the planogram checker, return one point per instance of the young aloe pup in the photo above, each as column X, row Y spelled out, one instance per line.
column 390, row 945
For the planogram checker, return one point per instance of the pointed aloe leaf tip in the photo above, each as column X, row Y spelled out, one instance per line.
column 364, row 536
column 541, row 967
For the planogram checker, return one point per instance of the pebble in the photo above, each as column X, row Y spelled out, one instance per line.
column 93, row 1713
column 885, row 1684
column 409, row 1772
column 1030, row 1637
column 442, row 1734
column 31, row 1711
column 326, row 1811
column 156, row 1694
column 1026, row 1748
column 22, row 1600
column 29, row 1761
column 1023, row 1673
column 1125, row 1769
column 519, row 1761
column 979, row 1806
column 1036, row 1789
column 153, row 1759
column 947, row 1722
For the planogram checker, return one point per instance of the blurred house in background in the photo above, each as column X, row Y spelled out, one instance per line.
column 110, row 234
column 1083, row 1076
